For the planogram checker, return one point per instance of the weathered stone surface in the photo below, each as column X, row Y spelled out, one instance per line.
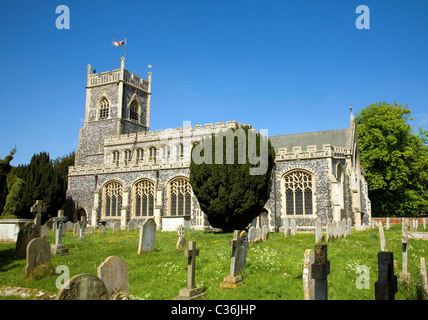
column 38, row 253
column 114, row 273
column 308, row 282
column 386, row 286
column 83, row 286
column 147, row 236
column 27, row 233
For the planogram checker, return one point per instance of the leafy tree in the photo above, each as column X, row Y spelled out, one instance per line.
column 5, row 168
column 229, row 183
column 395, row 160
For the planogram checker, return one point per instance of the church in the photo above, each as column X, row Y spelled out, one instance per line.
column 125, row 172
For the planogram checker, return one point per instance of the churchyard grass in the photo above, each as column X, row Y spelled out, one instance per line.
column 273, row 271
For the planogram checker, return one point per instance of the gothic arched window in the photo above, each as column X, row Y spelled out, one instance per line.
column 115, row 158
column 113, row 199
column 298, row 189
column 180, row 197
column 152, row 154
column 133, row 111
column 127, row 157
column 166, row 153
column 104, row 109
column 144, row 192
column 139, row 156
column 179, row 152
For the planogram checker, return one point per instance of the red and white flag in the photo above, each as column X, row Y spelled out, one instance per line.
column 119, row 43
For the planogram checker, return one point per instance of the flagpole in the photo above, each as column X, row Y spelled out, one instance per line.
column 124, row 49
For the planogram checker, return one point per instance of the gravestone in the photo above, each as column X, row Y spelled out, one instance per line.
column 424, row 284
column 58, row 248
column 349, row 227
column 424, row 223
column 181, row 242
column 386, row 286
column 239, row 246
column 44, row 231
column 344, row 235
column 38, row 253
column 102, row 229
column 59, row 219
column 382, row 238
column 404, row 275
column 69, row 226
column 258, row 234
column 265, row 232
column 329, row 232
column 82, row 228
column 76, row 229
column 114, row 273
column 318, row 231
column 334, row 225
column 320, row 269
column 251, row 234
column 293, row 227
column 116, row 226
column 308, row 282
column 37, row 209
column 90, row 230
column 132, row 225
column 191, row 292
column 27, row 233
column 287, row 229
column 83, row 286
column 147, row 236
column 387, row 223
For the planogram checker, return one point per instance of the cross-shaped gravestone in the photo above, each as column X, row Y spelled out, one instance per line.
column 191, row 292
column 58, row 248
column 239, row 246
column 37, row 209
column 83, row 224
column 386, row 286
column 320, row 269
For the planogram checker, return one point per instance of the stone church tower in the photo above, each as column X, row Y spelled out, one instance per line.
column 117, row 102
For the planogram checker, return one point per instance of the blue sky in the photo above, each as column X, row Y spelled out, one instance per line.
column 286, row 66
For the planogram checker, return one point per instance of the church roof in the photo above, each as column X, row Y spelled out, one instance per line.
column 336, row 138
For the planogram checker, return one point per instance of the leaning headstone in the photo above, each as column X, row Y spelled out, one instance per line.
column 424, row 284
column 386, row 286
column 308, row 282
column 114, row 273
column 147, row 236
column 382, row 238
column 404, row 275
column 239, row 246
column 320, row 269
column 191, row 292
column 83, row 286
column 251, row 234
column 181, row 242
column 38, row 253
column 27, row 233
column 58, row 248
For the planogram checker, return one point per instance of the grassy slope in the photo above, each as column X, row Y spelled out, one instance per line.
column 274, row 268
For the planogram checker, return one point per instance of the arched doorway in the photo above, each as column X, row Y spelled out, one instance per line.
column 79, row 213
